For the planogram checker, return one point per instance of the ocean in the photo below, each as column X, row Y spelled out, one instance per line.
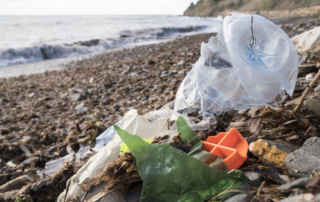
column 27, row 39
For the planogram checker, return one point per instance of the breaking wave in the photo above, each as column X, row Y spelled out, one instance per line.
column 51, row 51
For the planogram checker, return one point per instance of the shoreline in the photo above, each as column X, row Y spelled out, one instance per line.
column 59, row 64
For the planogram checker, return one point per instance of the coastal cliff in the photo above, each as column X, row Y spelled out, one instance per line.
column 268, row 8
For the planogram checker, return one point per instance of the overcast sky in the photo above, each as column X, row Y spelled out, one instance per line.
column 92, row 7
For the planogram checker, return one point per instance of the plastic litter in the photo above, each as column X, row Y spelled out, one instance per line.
column 188, row 136
column 251, row 62
column 169, row 174
column 125, row 148
column 147, row 127
column 307, row 43
column 105, row 137
column 231, row 146
column 54, row 166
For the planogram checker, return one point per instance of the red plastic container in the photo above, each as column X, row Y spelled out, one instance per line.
column 230, row 146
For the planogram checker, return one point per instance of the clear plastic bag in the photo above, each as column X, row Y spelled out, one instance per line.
column 307, row 43
column 251, row 62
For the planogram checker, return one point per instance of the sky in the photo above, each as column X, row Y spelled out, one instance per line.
column 93, row 7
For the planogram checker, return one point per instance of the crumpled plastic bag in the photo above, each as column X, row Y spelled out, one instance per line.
column 170, row 175
column 251, row 62
column 307, row 42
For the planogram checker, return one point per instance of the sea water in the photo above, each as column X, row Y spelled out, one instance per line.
column 26, row 39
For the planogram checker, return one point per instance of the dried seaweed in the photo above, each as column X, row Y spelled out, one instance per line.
column 119, row 176
column 44, row 190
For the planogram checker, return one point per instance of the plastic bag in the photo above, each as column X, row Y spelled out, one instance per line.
column 307, row 42
column 169, row 174
column 251, row 62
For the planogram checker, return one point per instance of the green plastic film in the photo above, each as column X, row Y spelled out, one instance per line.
column 170, row 175
column 124, row 148
column 189, row 136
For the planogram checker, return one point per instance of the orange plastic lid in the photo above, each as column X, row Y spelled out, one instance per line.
column 230, row 146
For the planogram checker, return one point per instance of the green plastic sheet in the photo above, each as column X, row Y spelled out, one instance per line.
column 189, row 136
column 170, row 175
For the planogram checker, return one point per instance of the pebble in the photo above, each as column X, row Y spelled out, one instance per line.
column 253, row 175
column 302, row 162
column 116, row 107
column 181, row 63
column 5, row 131
column 303, row 198
column 310, row 76
column 11, row 164
column 236, row 198
column 173, row 72
column 76, row 97
column 299, row 183
column 31, row 95
column 82, row 110
column 294, row 137
column 313, row 105
column 25, row 139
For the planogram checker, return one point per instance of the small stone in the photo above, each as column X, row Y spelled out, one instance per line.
column 173, row 72
column 190, row 54
column 310, row 76
column 5, row 131
column 26, row 139
column 253, row 175
column 11, row 164
column 181, row 63
column 294, row 137
column 31, row 95
column 64, row 95
column 174, row 81
column 76, row 97
column 151, row 62
column 300, row 198
column 236, row 198
column 116, row 107
column 274, row 152
column 60, row 126
column 75, row 90
column 82, row 110
column 299, row 183
column 313, row 106
column 302, row 162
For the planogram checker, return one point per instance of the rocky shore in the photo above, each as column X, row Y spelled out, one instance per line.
column 42, row 115
column 40, row 111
